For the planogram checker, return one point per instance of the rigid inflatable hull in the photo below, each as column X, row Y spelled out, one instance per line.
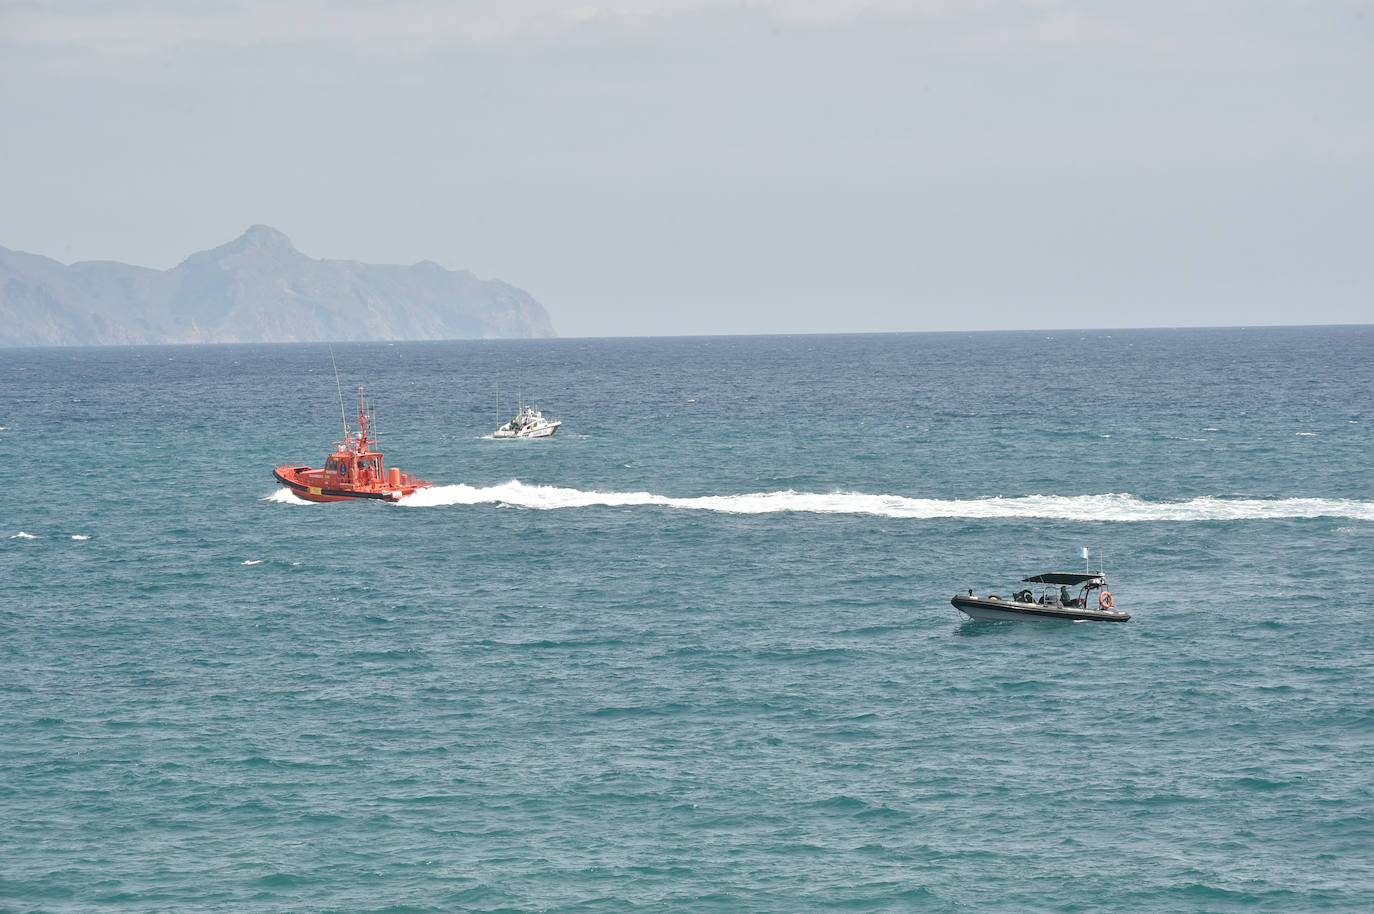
column 1012, row 611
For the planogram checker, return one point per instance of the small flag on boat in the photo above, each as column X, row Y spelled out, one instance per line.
column 1085, row 552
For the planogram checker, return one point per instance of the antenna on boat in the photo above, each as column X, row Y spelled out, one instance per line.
column 371, row 415
column 342, row 413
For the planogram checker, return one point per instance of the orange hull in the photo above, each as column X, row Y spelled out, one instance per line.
column 318, row 485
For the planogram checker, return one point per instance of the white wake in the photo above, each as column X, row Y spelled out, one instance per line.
column 1109, row 507
column 285, row 496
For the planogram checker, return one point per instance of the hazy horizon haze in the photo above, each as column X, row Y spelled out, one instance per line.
column 698, row 167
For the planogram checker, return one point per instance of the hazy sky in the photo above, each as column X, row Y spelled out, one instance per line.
column 725, row 166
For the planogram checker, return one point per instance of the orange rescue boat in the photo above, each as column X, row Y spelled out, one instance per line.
column 354, row 470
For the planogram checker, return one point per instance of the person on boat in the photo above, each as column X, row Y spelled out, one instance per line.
column 1064, row 595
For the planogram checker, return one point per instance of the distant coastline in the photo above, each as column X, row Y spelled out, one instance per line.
column 255, row 289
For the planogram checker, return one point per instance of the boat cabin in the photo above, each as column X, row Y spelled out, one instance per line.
column 356, row 468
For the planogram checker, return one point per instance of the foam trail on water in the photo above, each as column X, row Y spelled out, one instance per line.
column 286, row 497
column 1109, row 507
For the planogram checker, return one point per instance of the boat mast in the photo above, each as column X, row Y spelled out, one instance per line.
column 342, row 413
column 372, row 426
column 362, row 422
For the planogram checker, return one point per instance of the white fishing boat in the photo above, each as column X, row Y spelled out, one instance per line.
column 528, row 423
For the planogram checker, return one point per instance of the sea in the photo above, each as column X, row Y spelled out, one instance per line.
column 695, row 653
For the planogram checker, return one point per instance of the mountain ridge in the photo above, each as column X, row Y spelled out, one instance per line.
column 255, row 288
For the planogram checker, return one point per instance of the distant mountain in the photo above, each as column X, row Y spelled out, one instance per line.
column 256, row 289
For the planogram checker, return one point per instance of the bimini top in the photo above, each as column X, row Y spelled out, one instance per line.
column 1071, row 578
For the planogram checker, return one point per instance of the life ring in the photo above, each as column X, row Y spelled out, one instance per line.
column 1104, row 599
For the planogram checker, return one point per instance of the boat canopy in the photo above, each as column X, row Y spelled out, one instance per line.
column 1071, row 578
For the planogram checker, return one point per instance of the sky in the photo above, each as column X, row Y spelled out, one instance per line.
column 725, row 166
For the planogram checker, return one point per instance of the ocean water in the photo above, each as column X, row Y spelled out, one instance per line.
column 696, row 653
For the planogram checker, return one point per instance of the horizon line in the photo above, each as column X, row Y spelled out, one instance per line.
column 670, row 336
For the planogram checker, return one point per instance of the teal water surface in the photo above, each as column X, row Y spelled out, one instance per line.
column 695, row 653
